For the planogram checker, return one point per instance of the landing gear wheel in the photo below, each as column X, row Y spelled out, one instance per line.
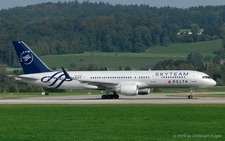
column 116, row 96
column 103, row 96
column 192, row 89
column 110, row 96
column 107, row 96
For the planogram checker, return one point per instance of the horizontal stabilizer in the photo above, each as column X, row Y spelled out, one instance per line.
column 22, row 77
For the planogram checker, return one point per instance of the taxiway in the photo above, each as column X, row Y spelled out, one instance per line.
column 95, row 99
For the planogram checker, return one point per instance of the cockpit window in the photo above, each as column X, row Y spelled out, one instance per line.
column 206, row 77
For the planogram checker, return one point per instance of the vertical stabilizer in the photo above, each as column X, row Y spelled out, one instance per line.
column 29, row 60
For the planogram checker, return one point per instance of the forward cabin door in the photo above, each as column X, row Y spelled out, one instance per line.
column 152, row 79
column 193, row 79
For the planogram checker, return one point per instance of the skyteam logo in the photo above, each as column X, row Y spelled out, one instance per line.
column 26, row 57
column 55, row 80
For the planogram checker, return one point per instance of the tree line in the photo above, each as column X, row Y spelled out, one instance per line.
column 74, row 27
column 194, row 61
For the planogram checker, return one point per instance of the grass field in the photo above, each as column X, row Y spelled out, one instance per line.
column 9, row 95
column 205, row 48
column 112, row 122
column 180, row 90
column 135, row 60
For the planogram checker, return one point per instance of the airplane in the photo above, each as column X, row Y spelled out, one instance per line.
column 129, row 83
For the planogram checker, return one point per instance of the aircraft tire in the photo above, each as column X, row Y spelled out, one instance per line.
column 190, row 96
column 116, row 96
column 108, row 96
column 111, row 96
column 103, row 96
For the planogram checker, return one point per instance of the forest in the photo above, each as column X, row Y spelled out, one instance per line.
column 73, row 27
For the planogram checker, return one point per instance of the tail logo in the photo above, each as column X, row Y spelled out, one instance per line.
column 26, row 57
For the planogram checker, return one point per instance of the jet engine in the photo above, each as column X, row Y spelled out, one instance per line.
column 143, row 91
column 127, row 89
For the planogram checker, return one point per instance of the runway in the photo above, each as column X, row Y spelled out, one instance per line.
column 96, row 99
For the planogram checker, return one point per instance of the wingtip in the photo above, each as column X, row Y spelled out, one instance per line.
column 66, row 74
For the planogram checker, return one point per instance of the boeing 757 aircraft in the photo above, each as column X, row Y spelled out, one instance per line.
column 128, row 83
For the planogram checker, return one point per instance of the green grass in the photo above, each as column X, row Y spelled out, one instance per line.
column 111, row 122
column 183, row 49
column 101, row 60
column 135, row 60
column 12, row 95
column 180, row 90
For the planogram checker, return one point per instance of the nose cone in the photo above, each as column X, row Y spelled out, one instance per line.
column 212, row 82
column 207, row 83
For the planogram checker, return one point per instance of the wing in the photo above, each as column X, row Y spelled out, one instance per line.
column 19, row 77
column 100, row 84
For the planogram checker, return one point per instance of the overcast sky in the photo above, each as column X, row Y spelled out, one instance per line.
column 158, row 3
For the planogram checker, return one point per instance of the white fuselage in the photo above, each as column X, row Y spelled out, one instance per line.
column 111, row 79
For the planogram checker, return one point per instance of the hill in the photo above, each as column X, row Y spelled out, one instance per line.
column 133, row 60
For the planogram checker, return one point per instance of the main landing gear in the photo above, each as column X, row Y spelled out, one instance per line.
column 190, row 96
column 110, row 96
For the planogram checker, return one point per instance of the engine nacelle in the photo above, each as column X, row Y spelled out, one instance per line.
column 127, row 89
column 143, row 91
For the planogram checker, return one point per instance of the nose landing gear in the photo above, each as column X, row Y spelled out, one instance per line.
column 190, row 96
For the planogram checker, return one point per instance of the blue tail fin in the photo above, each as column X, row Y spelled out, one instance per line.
column 29, row 60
